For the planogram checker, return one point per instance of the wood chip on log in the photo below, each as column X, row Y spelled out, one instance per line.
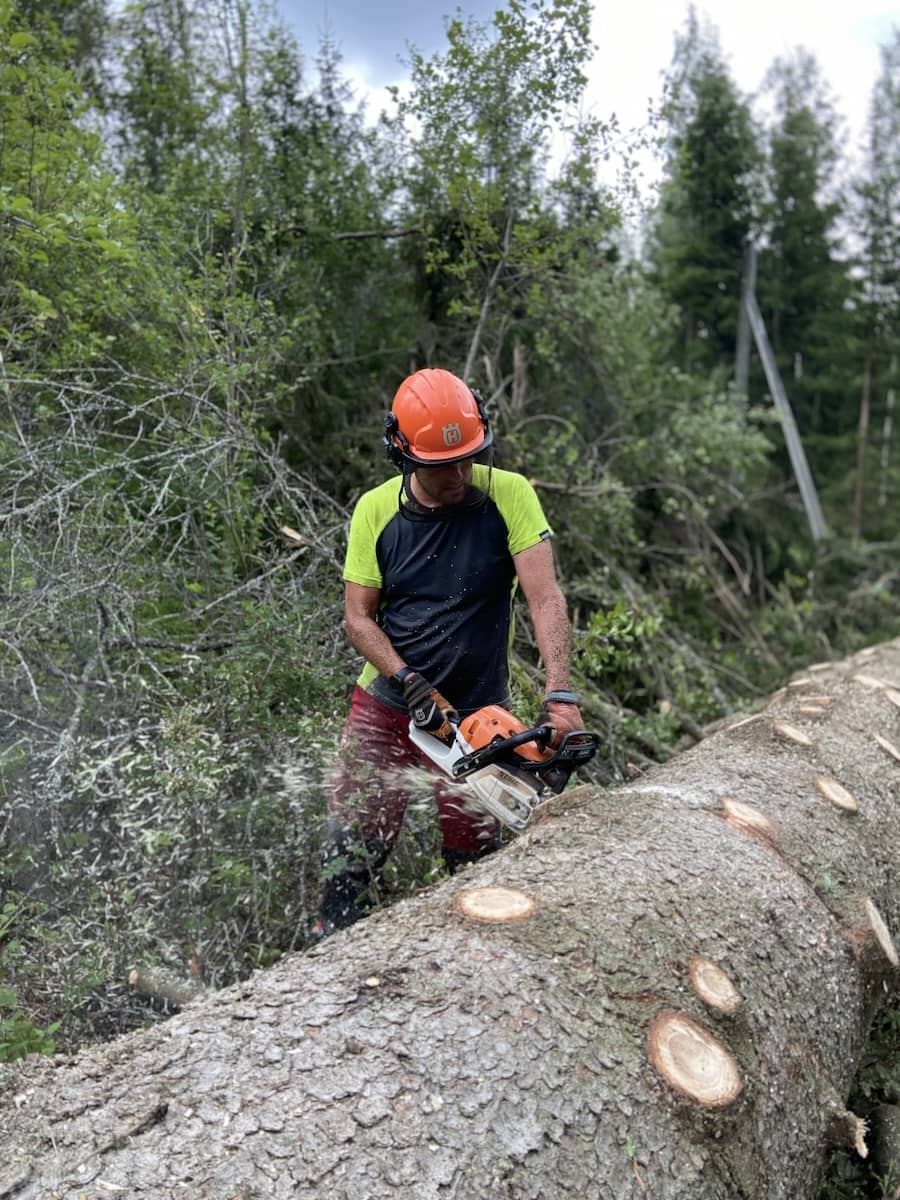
column 894, row 696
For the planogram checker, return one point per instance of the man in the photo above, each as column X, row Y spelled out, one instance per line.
column 433, row 561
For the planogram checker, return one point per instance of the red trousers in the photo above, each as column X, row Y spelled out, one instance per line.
column 371, row 786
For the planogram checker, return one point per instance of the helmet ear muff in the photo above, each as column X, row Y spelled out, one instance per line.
column 392, row 436
column 482, row 411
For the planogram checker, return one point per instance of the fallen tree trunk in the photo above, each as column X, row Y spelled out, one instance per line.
column 661, row 991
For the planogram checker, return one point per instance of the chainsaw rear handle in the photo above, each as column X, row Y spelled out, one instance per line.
column 575, row 749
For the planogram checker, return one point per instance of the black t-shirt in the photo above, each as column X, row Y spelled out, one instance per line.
column 447, row 581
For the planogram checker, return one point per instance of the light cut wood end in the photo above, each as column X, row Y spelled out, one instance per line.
column 746, row 816
column 713, row 985
column 894, row 696
column 292, row 535
column 887, row 746
column 836, row 793
column 692, row 1061
column 797, row 685
column 819, row 701
column 811, row 710
column 869, row 681
column 495, row 905
column 743, row 721
column 790, row 733
column 881, row 933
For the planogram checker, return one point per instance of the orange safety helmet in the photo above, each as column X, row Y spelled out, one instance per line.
column 435, row 420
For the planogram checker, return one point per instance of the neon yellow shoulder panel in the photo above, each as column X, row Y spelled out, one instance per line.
column 513, row 495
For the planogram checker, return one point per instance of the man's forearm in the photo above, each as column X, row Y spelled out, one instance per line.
column 554, row 638
column 374, row 645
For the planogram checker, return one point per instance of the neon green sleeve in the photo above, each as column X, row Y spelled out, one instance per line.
column 520, row 508
column 372, row 512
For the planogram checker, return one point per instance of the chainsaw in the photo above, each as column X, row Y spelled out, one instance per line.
column 506, row 767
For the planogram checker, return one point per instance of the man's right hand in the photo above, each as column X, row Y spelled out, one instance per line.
column 428, row 709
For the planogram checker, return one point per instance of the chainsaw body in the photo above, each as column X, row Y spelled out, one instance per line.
column 505, row 766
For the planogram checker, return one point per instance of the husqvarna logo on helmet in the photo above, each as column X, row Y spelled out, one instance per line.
column 452, row 434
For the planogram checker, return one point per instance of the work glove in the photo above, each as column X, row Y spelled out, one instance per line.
column 560, row 713
column 428, row 709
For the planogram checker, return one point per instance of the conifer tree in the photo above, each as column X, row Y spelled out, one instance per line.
column 803, row 281
column 709, row 197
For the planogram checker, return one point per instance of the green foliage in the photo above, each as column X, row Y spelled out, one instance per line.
column 617, row 642
column 18, row 1036
column 18, row 1033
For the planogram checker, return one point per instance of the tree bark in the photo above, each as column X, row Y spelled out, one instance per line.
column 680, row 1013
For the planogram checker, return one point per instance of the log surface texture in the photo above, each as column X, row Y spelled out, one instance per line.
column 682, row 1014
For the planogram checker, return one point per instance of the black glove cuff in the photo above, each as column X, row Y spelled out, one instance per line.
column 562, row 697
column 403, row 674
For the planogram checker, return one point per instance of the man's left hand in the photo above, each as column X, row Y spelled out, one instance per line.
column 562, row 716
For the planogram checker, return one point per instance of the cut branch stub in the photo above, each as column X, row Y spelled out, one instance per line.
column 836, row 793
column 845, row 1128
column 894, row 696
column 887, row 746
column 743, row 721
column 495, row 905
column 165, row 985
column 882, row 933
column 869, row 681
column 692, row 1061
column 746, row 816
column 790, row 733
column 811, row 710
column 713, row 985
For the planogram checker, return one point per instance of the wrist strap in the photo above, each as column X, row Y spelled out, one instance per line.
column 403, row 673
column 562, row 697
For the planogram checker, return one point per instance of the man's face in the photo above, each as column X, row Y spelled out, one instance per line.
column 445, row 485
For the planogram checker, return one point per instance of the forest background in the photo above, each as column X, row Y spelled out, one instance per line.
column 214, row 272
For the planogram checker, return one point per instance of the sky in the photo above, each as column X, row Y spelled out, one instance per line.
column 634, row 39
